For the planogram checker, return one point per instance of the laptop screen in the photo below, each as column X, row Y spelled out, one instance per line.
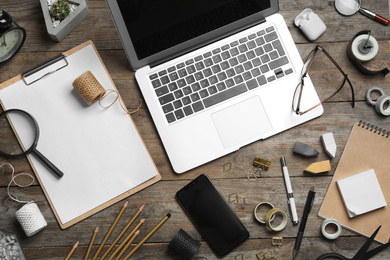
column 155, row 25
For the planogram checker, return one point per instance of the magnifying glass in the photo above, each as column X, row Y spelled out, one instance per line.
column 28, row 132
column 350, row 7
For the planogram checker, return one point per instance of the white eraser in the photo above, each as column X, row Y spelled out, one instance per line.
column 329, row 144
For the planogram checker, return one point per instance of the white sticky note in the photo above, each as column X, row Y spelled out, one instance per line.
column 361, row 193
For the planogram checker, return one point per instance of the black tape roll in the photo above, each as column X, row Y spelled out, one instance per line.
column 357, row 63
column 184, row 245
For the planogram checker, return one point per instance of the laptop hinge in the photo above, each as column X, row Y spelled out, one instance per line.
column 207, row 42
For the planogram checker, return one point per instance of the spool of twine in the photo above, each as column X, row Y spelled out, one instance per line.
column 91, row 91
column 31, row 219
column 89, row 88
column 29, row 216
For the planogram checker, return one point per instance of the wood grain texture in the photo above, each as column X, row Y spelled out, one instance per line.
column 338, row 117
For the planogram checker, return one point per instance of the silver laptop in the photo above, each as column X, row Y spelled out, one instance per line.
column 216, row 75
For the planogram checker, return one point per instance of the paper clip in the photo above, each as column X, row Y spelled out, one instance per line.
column 239, row 257
column 233, row 197
column 227, row 167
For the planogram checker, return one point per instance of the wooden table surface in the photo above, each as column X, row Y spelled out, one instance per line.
column 338, row 117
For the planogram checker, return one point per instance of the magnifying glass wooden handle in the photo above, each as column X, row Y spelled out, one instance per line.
column 49, row 165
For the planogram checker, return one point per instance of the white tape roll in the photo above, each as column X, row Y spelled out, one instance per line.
column 31, row 219
column 329, row 235
column 368, row 95
column 383, row 105
column 364, row 54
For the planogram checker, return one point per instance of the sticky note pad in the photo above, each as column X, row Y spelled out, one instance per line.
column 361, row 193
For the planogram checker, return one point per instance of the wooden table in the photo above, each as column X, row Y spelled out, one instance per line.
column 54, row 243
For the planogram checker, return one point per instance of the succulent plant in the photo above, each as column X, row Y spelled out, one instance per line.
column 60, row 9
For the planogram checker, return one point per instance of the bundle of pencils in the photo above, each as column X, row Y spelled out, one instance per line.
column 127, row 241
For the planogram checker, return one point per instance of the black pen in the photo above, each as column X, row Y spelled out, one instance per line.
column 306, row 211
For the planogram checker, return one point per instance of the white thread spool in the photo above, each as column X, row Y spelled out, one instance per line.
column 31, row 219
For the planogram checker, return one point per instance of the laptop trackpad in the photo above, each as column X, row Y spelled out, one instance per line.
column 241, row 122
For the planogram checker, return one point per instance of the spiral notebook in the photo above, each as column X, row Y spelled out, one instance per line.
column 100, row 151
column 368, row 147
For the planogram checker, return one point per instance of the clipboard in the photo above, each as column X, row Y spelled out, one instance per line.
column 134, row 173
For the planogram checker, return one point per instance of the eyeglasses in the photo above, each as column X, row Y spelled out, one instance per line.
column 296, row 103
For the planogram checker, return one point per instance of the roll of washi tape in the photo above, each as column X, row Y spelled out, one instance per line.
column 271, row 214
column 365, row 47
column 331, row 221
column 184, row 245
column 31, row 219
column 382, row 105
column 260, row 205
column 368, row 95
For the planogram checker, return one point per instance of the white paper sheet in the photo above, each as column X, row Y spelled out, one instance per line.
column 98, row 150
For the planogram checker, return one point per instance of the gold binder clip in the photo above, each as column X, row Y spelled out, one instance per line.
column 277, row 243
column 260, row 163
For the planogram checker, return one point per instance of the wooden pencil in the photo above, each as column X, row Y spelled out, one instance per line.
column 72, row 250
column 91, row 243
column 131, row 221
column 113, row 225
column 128, row 237
column 147, row 236
column 128, row 245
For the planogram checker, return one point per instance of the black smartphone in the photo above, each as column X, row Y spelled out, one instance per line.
column 215, row 220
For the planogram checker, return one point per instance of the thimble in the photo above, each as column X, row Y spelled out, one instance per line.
column 89, row 88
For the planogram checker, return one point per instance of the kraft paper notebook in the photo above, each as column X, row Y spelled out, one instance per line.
column 100, row 151
column 368, row 147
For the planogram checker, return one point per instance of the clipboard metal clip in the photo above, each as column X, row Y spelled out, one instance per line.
column 44, row 70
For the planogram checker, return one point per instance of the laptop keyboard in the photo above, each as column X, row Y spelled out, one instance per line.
column 220, row 74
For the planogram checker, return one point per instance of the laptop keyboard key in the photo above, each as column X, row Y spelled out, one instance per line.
column 198, row 106
column 156, row 83
column 188, row 110
column 225, row 95
column 170, row 118
column 172, row 86
column 270, row 37
column 251, row 84
column 186, row 100
column 179, row 114
column 278, row 63
column 178, row 94
column 195, row 97
column 262, row 80
column 168, row 108
column 177, row 104
column 166, row 99
column 162, row 91
column 278, row 45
